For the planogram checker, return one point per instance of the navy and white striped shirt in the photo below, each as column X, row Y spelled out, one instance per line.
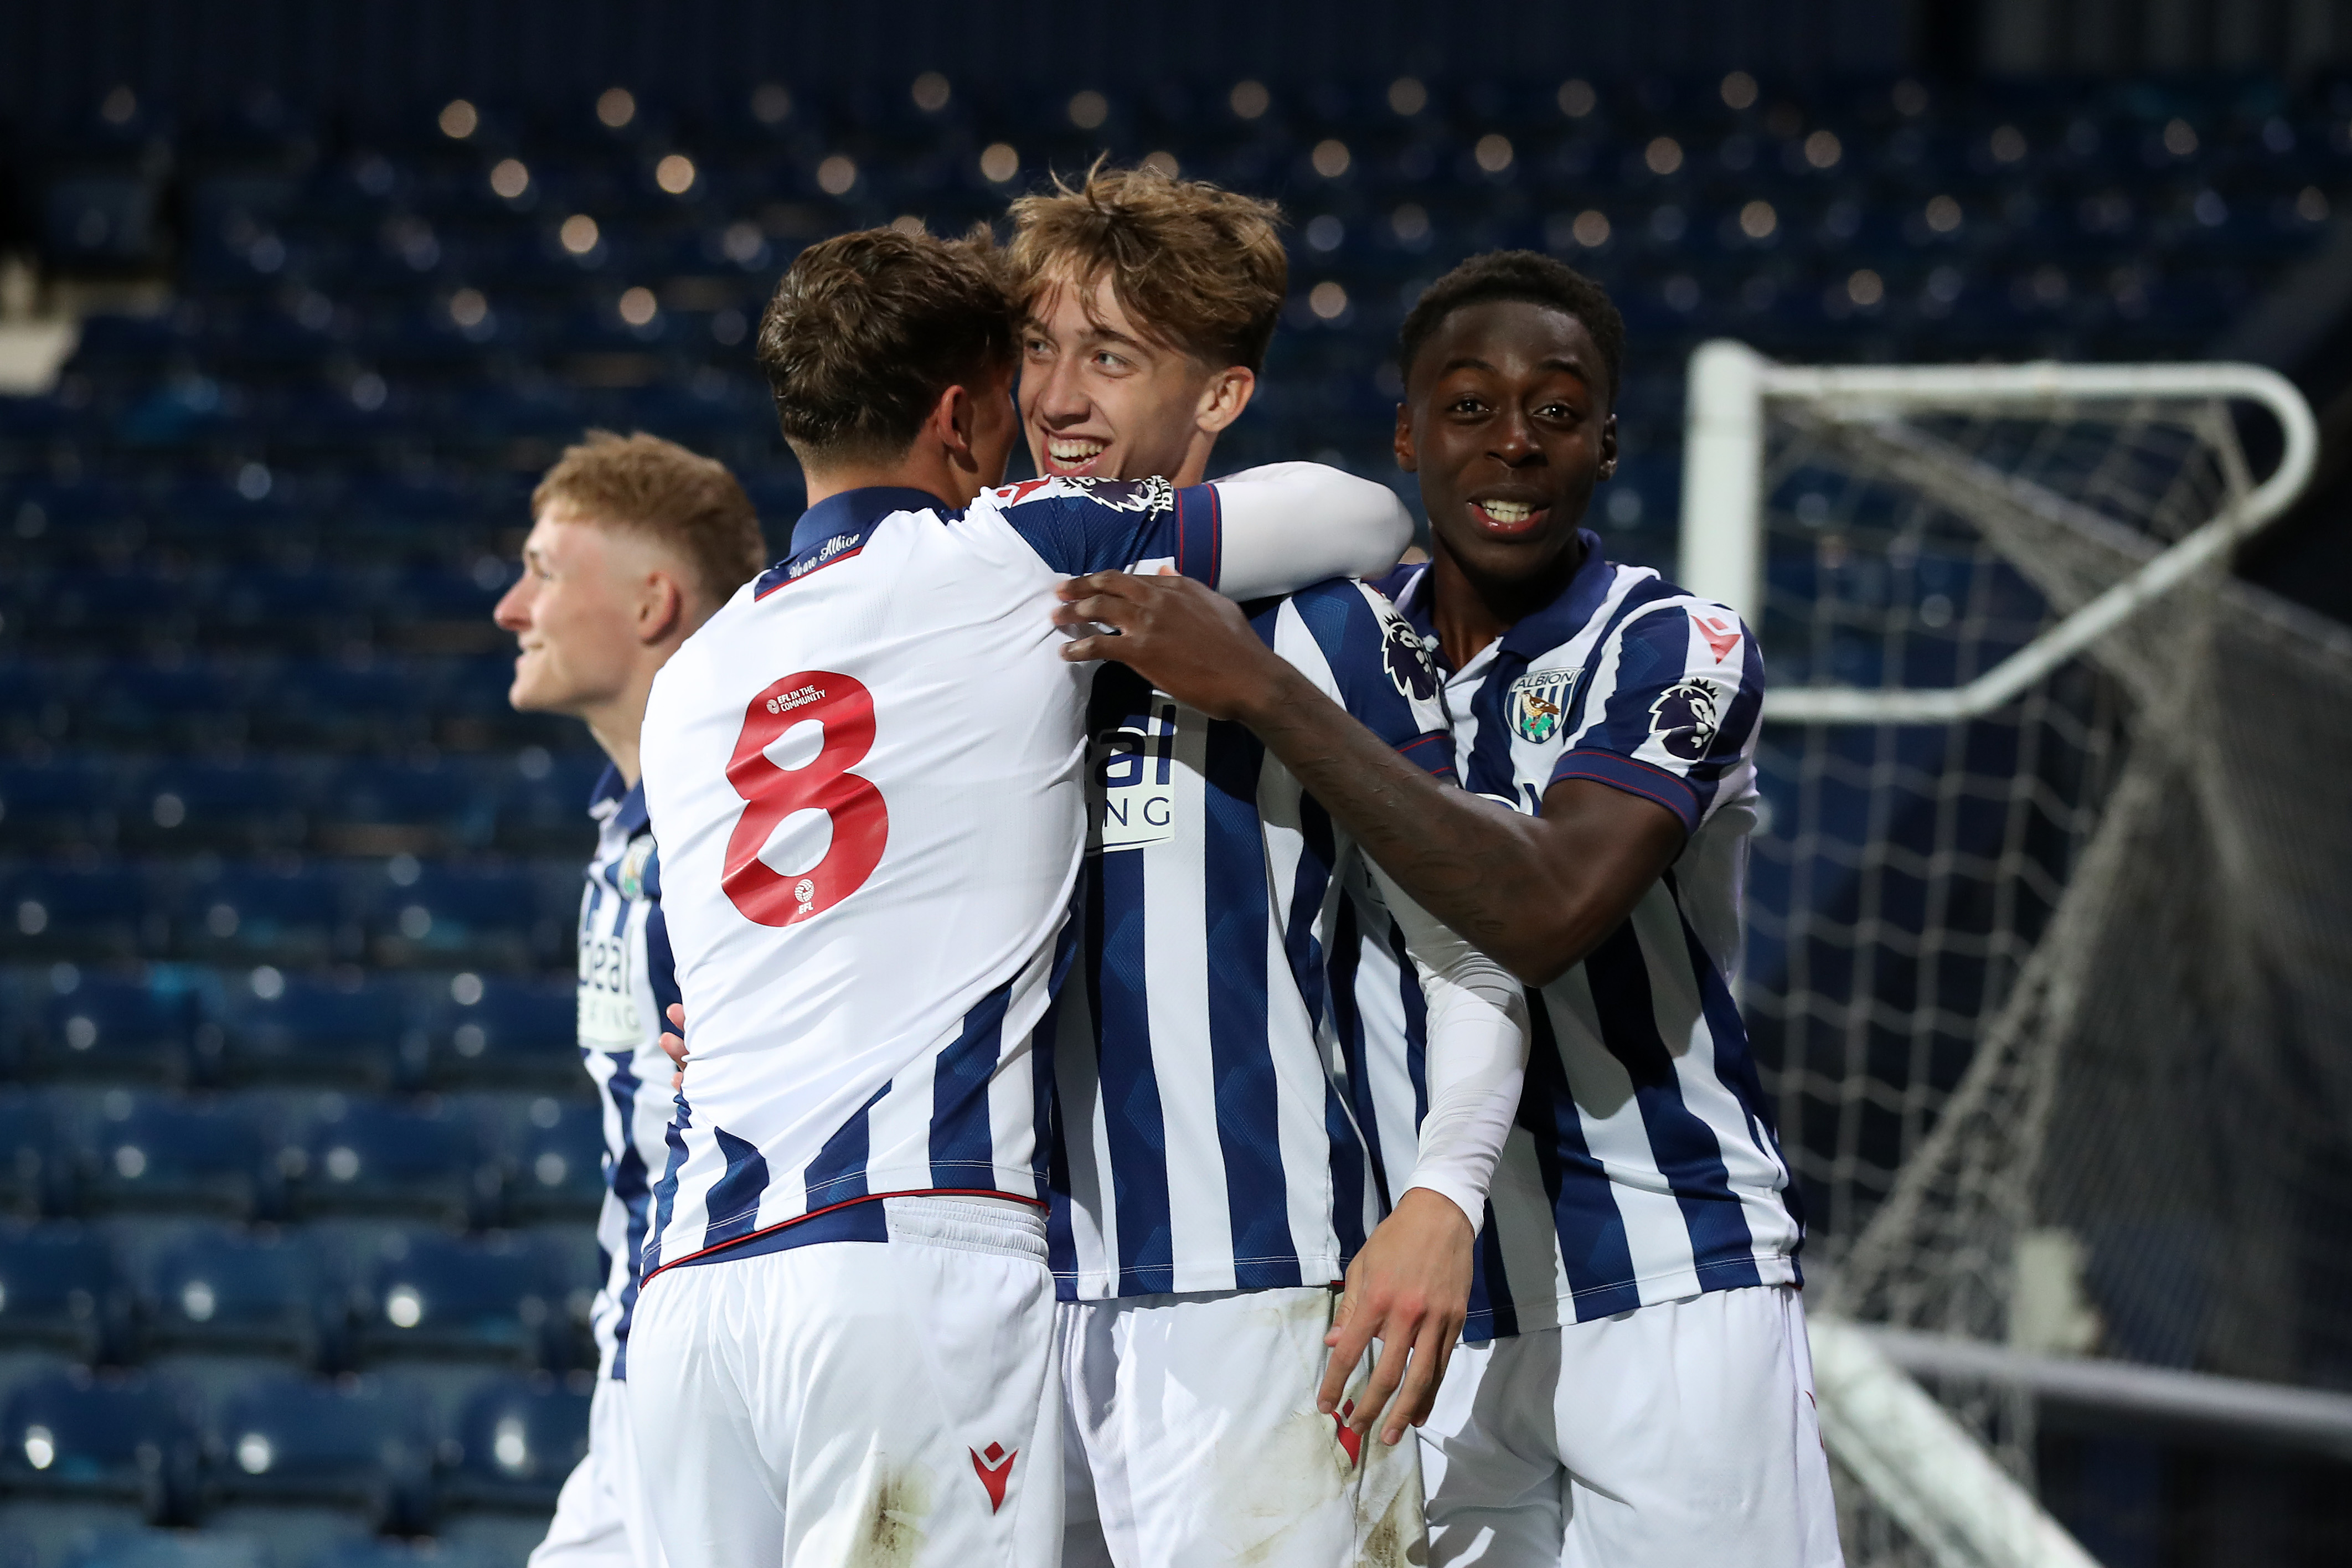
column 1644, row 1166
column 1204, row 1140
column 626, row 983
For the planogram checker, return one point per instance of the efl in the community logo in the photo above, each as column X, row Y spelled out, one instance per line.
column 1539, row 702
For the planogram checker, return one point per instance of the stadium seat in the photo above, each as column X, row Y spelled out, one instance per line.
column 282, row 1027
column 431, row 1295
column 36, row 1172
column 152, row 1152
column 128, row 1436
column 517, row 1439
column 291, row 917
column 170, row 1549
column 100, row 1024
column 366, row 1156
column 554, row 1153
column 263, row 1292
column 491, row 1029
column 351, row 1442
column 61, row 1288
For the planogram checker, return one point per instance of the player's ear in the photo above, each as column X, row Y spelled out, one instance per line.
column 661, row 607
column 1409, row 458
column 951, row 422
column 1227, row 393
column 1608, row 446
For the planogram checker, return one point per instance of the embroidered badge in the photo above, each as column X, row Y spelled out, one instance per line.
column 1538, row 702
column 1685, row 717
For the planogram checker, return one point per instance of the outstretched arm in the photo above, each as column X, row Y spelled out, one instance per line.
column 1539, row 893
column 1288, row 524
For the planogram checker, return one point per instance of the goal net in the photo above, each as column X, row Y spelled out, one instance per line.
column 2045, row 960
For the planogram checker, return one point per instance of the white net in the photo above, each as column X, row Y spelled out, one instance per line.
column 2048, row 998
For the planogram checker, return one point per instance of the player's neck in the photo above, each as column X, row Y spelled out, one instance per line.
column 1469, row 610
column 910, row 472
column 616, row 726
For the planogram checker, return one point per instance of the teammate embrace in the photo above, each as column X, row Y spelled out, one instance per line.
column 1064, row 1032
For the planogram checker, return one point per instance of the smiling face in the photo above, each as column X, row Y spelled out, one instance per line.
column 1102, row 399
column 574, row 613
column 1507, row 421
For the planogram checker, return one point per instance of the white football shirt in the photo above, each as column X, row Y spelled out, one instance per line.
column 864, row 776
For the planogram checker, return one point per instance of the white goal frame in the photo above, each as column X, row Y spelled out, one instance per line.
column 1722, row 550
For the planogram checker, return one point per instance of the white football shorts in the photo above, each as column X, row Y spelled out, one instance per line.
column 1194, row 1442
column 1675, row 1433
column 600, row 1516
column 857, row 1401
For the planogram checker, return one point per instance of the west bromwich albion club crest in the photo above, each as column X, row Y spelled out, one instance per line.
column 1539, row 702
column 633, row 867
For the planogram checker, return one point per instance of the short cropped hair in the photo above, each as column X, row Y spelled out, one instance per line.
column 1520, row 275
column 643, row 484
column 866, row 330
column 1200, row 268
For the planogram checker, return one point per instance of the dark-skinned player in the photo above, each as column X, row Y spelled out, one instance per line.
column 1635, row 1387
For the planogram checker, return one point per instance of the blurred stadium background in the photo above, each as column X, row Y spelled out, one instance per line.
column 297, row 300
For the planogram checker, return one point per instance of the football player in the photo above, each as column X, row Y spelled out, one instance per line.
column 866, row 777
column 1209, row 1187
column 1637, row 1389
column 634, row 541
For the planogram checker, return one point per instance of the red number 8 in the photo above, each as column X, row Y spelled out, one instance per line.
column 861, row 823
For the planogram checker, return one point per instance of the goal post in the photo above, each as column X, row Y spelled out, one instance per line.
column 1722, row 552
column 2037, row 922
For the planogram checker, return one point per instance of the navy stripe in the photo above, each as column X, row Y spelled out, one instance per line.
column 627, row 1179
column 963, row 1154
column 1348, row 1025
column 1042, row 1041
column 735, row 1196
column 1416, row 1022
column 1492, row 1315
column 666, row 1190
column 1637, row 778
column 1592, row 1241
column 1735, row 1061
column 1310, row 880
column 1684, row 1145
column 1134, row 1130
column 1248, row 1093
column 839, row 1173
column 661, row 969
column 1200, row 540
column 857, row 1221
column 1348, row 1173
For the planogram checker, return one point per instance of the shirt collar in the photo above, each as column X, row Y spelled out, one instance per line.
column 851, row 511
column 1531, row 634
column 624, row 805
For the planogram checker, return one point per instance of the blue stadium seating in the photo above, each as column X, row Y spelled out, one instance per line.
column 70, row 1435
column 516, row 1441
column 171, row 1549
column 351, row 1441
column 61, row 1286
column 492, row 1029
column 223, row 1292
column 150, row 1154
column 554, row 1160
column 366, row 1156
column 435, row 1295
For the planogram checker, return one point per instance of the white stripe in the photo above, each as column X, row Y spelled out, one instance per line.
column 1657, row 1238
column 1094, row 1221
column 1176, row 1001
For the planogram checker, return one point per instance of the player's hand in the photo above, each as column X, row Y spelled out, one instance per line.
column 1190, row 642
column 675, row 1044
column 1409, row 1289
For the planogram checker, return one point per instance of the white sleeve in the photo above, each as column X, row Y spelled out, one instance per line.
column 1477, row 1056
column 1286, row 525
